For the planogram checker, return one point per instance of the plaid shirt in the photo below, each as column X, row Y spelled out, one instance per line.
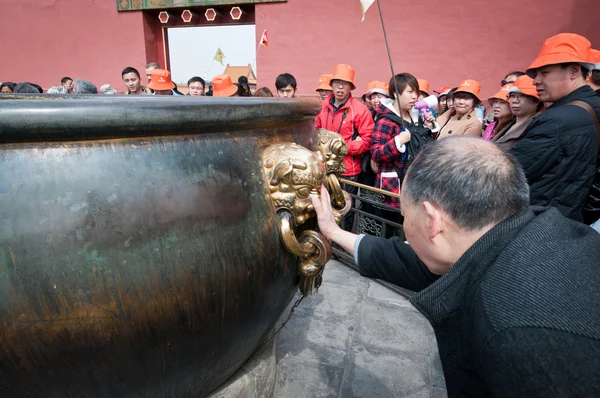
column 385, row 153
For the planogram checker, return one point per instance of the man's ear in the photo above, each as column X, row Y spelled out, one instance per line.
column 575, row 70
column 434, row 220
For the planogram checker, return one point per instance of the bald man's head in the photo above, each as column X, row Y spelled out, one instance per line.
column 472, row 180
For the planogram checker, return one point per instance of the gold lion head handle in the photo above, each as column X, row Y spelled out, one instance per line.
column 294, row 176
column 333, row 149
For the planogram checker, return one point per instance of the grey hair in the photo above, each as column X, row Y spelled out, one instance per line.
column 473, row 181
column 152, row 65
column 81, row 86
column 57, row 90
column 107, row 89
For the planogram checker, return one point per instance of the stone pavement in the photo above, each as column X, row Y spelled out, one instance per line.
column 356, row 338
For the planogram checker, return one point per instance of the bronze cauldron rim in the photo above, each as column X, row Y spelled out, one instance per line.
column 101, row 116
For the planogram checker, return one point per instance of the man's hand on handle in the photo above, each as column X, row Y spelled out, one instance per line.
column 327, row 224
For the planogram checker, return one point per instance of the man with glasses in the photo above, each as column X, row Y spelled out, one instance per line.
column 343, row 114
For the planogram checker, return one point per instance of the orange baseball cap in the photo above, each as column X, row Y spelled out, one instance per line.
column 223, row 87
column 423, row 85
column 524, row 85
column 501, row 95
column 563, row 48
column 324, row 82
column 442, row 90
column 161, row 80
column 377, row 86
column 595, row 58
column 345, row 73
column 469, row 86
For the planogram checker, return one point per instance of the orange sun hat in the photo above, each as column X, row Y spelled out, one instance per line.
column 595, row 58
column 469, row 86
column 501, row 95
column 324, row 82
column 345, row 73
column 563, row 48
column 377, row 86
column 161, row 80
column 223, row 87
column 442, row 90
column 524, row 85
column 423, row 85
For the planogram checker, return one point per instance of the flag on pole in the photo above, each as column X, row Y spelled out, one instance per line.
column 219, row 56
column 365, row 4
column 264, row 40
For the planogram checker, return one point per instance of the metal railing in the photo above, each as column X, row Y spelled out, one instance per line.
column 369, row 219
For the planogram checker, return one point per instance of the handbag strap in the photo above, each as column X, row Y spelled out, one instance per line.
column 594, row 115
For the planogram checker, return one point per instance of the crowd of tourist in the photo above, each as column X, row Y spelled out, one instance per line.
column 159, row 83
column 543, row 116
column 547, row 117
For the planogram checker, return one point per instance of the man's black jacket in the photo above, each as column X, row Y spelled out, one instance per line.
column 558, row 153
column 518, row 315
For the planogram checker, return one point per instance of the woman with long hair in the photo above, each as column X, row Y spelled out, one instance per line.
column 502, row 114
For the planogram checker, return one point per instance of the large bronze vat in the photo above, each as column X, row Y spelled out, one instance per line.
column 141, row 252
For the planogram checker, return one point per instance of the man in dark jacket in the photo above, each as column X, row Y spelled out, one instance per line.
column 511, row 292
column 558, row 149
column 591, row 209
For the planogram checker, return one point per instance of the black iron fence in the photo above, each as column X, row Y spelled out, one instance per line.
column 372, row 217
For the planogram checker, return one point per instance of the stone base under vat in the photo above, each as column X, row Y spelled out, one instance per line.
column 256, row 378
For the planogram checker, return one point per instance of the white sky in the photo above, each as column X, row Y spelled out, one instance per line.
column 193, row 49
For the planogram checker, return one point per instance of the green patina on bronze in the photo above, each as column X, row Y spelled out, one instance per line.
column 132, row 5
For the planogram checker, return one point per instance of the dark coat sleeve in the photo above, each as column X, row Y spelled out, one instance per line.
column 538, row 149
column 393, row 261
column 540, row 362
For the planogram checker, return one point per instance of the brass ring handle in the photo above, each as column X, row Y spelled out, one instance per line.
column 336, row 191
column 320, row 246
column 288, row 236
column 347, row 205
column 313, row 249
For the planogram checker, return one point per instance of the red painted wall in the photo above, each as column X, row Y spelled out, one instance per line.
column 43, row 40
column 442, row 42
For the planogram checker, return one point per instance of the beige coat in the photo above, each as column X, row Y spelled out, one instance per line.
column 459, row 125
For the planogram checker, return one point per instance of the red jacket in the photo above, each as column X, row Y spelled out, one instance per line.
column 350, row 116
